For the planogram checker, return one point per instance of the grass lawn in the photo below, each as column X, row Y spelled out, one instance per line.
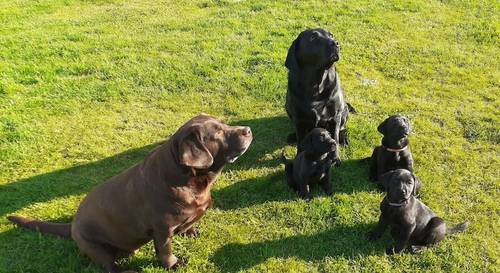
column 87, row 88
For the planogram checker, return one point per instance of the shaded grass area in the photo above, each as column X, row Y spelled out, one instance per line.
column 88, row 88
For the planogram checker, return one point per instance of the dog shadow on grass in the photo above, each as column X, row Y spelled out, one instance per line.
column 339, row 241
column 71, row 181
column 80, row 179
column 349, row 178
column 269, row 135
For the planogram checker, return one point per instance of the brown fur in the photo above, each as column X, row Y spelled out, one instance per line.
column 161, row 196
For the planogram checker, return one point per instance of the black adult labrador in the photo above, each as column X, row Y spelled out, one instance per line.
column 312, row 165
column 394, row 153
column 315, row 97
column 413, row 224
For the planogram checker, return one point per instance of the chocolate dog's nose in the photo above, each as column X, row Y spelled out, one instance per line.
column 246, row 131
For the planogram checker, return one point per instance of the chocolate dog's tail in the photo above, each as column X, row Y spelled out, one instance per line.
column 62, row 230
column 458, row 228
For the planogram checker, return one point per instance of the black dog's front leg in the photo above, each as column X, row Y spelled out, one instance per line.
column 304, row 191
column 325, row 182
column 333, row 128
column 402, row 240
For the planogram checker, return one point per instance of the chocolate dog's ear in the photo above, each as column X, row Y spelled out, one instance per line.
column 291, row 60
column 192, row 151
column 386, row 178
column 382, row 128
column 417, row 185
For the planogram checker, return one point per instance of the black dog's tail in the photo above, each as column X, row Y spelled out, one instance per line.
column 351, row 108
column 458, row 228
column 62, row 230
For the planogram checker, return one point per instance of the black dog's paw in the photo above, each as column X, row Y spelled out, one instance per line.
column 291, row 138
column 416, row 249
column 306, row 197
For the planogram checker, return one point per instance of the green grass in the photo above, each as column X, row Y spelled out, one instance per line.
column 87, row 88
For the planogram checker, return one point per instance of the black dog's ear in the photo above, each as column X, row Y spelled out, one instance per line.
column 416, row 187
column 307, row 143
column 408, row 123
column 291, row 59
column 382, row 128
column 386, row 178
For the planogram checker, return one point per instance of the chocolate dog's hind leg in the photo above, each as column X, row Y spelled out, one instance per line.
column 100, row 254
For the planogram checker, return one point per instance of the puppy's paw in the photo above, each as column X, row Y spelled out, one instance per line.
column 306, row 197
column 416, row 249
column 192, row 232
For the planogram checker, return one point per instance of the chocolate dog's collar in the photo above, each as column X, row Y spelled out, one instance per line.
column 395, row 150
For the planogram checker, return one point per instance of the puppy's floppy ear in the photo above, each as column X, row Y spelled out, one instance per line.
column 192, row 151
column 408, row 123
column 386, row 178
column 417, row 184
column 291, row 59
column 382, row 128
column 307, row 143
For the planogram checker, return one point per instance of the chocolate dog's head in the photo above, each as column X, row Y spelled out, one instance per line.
column 314, row 48
column 205, row 141
column 318, row 142
column 400, row 185
column 395, row 127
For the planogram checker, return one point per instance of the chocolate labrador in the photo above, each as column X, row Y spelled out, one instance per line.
column 413, row 224
column 394, row 153
column 315, row 97
column 312, row 165
column 160, row 197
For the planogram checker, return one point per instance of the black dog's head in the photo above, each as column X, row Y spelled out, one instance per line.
column 314, row 48
column 318, row 143
column 395, row 127
column 400, row 185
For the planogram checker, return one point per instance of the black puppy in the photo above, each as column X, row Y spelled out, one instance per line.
column 312, row 165
column 315, row 97
column 394, row 153
column 413, row 224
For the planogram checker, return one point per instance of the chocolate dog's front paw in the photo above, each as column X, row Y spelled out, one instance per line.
column 192, row 232
column 172, row 262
